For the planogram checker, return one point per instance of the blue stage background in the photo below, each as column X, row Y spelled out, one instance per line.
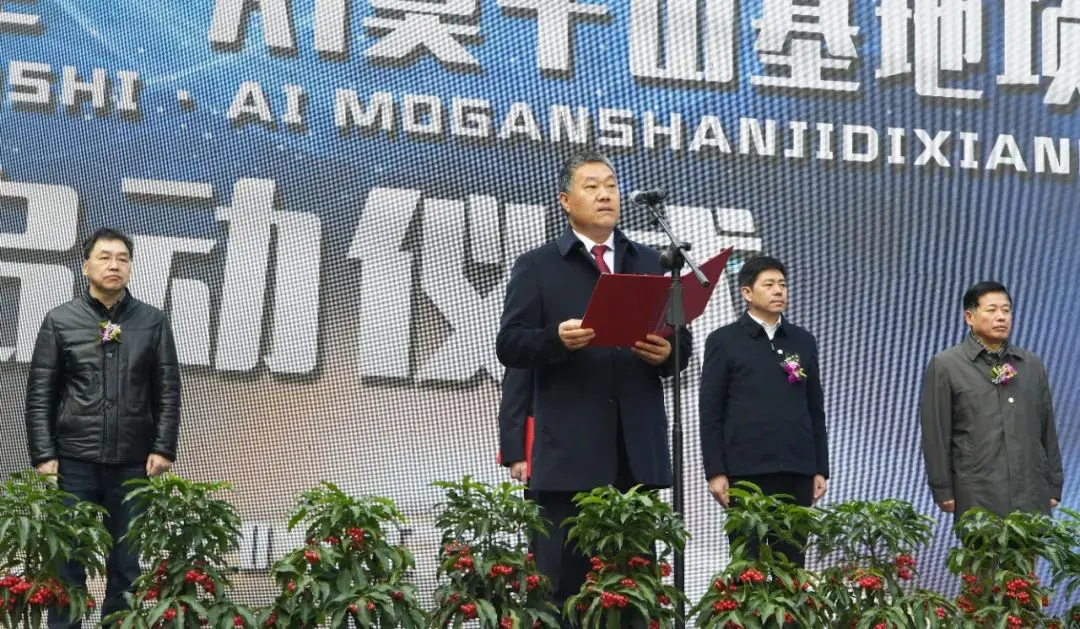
column 381, row 256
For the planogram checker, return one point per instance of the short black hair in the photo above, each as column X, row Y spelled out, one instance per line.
column 755, row 266
column 107, row 233
column 572, row 163
column 976, row 292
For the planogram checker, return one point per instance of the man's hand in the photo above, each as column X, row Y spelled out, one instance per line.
column 573, row 335
column 157, row 464
column 718, row 487
column 653, row 350
column 48, row 467
column 1053, row 503
column 820, row 484
column 948, row 506
column 518, row 471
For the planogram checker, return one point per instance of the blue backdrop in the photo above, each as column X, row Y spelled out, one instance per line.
column 327, row 197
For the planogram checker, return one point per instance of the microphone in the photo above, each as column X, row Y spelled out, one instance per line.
column 648, row 197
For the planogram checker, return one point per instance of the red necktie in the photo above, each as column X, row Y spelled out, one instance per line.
column 598, row 255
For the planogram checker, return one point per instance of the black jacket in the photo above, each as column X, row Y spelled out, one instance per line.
column 113, row 402
column 753, row 421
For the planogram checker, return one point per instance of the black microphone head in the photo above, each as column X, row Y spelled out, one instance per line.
column 648, row 197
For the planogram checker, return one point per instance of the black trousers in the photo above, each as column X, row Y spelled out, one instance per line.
column 801, row 488
column 564, row 564
column 102, row 485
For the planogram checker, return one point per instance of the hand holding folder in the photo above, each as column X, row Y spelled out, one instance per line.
column 623, row 309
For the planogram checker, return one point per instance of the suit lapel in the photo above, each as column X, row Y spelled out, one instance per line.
column 622, row 262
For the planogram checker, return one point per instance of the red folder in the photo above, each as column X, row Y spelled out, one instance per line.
column 624, row 308
column 528, row 447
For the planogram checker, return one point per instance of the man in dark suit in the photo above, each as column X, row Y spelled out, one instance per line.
column 598, row 412
column 761, row 405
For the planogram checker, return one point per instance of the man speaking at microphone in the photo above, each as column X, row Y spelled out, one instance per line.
column 598, row 411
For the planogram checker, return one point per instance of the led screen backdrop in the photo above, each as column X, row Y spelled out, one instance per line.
column 327, row 196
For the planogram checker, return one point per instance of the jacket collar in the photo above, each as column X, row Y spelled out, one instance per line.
column 972, row 348
column 568, row 242
column 108, row 313
column 754, row 329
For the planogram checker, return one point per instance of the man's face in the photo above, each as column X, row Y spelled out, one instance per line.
column 593, row 201
column 768, row 293
column 991, row 319
column 109, row 266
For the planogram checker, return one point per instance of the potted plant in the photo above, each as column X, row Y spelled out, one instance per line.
column 996, row 562
column 763, row 588
column 629, row 537
column 41, row 530
column 347, row 569
column 490, row 576
column 872, row 548
column 1065, row 562
column 184, row 532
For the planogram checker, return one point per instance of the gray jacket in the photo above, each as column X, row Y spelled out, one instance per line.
column 987, row 445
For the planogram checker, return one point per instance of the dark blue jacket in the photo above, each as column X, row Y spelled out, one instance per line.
column 580, row 397
column 753, row 421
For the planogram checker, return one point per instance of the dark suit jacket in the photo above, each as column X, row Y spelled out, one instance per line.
column 753, row 421
column 580, row 397
column 515, row 408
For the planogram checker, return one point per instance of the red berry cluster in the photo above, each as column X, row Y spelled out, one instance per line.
column 356, row 536
column 469, row 609
column 532, row 582
column 905, row 564
column 637, row 562
column 46, row 593
column 598, row 564
column 1017, row 588
column 500, row 570
column 965, row 604
column 726, row 605
column 628, row 583
column 663, row 600
column 751, row 575
column 611, row 599
column 238, row 621
column 463, row 553
column 870, row 582
column 312, row 556
column 1015, row 622
column 197, row 576
column 506, row 623
column 665, row 569
column 654, row 624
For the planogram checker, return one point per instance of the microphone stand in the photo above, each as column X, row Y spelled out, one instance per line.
column 672, row 259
